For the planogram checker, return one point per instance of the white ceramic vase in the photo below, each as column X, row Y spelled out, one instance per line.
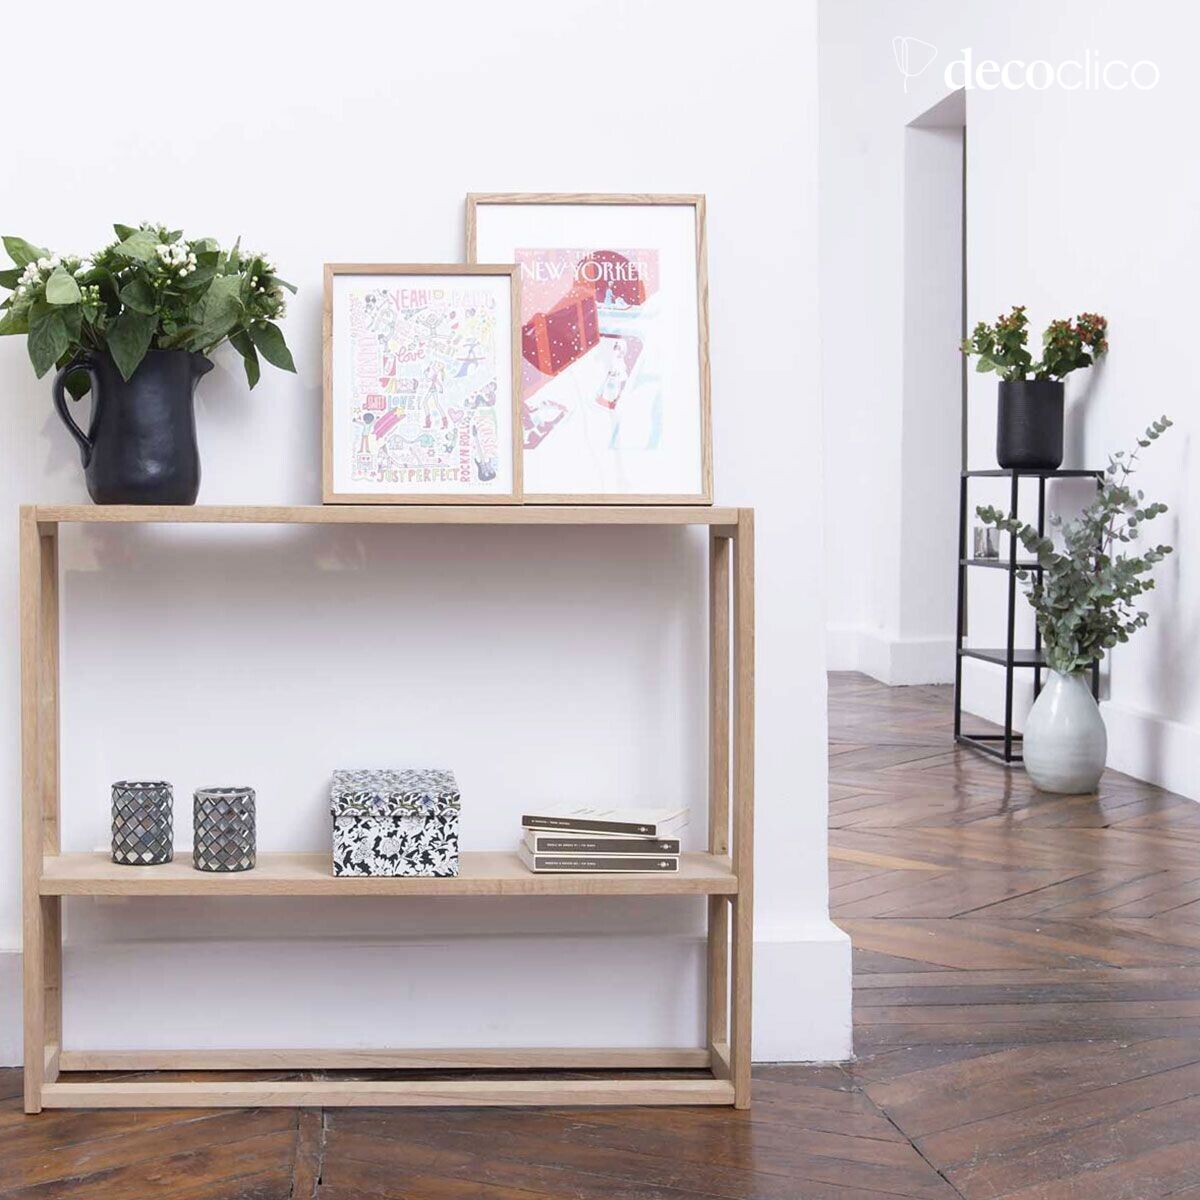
column 1065, row 743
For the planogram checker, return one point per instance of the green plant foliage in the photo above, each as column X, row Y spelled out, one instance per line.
column 1066, row 346
column 1085, row 596
column 151, row 287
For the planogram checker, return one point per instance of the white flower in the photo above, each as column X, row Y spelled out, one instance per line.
column 20, row 289
column 43, row 264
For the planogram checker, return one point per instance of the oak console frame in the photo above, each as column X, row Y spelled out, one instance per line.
column 724, row 874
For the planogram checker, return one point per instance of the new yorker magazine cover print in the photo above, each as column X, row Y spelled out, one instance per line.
column 612, row 341
column 424, row 381
column 591, row 353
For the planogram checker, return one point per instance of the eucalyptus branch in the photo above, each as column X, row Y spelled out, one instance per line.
column 1084, row 595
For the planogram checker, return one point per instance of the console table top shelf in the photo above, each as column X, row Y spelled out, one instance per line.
column 382, row 514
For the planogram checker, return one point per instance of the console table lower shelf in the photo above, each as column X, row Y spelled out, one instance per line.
column 302, row 874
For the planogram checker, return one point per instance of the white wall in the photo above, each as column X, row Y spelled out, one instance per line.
column 1075, row 200
column 894, row 616
column 539, row 664
column 931, row 422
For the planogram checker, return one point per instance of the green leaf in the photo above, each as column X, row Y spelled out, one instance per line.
column 139, row 245
column 23, row 252
column 48, row 337
column 129, row 338
column 138, row 294
column 240, row 340
column 177, row 339
column 291, row 287
column 61, row 287
column 71, row 316
column 11, row 278
column 268, row 338
column 79, row 383
column 124, row 231
column 11, row 322
column 219, row 310
column 198, row 277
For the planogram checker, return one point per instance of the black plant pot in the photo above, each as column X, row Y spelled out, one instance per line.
column 140, row 447
column 1029, row 425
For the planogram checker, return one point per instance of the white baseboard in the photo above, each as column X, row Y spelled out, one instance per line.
column 802, row 997
column 983, row 694
column 178, row 994
column 10, row 1008
column 1153, row 748
column 896, row 661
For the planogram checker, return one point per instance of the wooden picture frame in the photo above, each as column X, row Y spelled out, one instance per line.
column 334, row 489
column 701, row 494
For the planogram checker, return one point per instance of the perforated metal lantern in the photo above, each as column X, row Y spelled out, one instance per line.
column 142, row 834
column 223, row 829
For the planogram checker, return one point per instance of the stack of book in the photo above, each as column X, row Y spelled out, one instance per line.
column 592, row 839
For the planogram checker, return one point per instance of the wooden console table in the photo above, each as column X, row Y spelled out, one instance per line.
column 724, row 874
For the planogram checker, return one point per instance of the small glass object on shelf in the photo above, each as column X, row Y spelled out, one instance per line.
column 223, row 829
column 142, row 834
column 987, row 542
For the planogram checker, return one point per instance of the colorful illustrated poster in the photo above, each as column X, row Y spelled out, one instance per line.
column 610, row 378
column 422, row 385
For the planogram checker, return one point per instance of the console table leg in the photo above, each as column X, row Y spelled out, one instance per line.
column 42, row 923
column 718, row 787
column 718, row 974
column 743, row 804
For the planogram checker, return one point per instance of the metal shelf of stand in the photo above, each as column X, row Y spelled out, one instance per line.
column 1012, row 658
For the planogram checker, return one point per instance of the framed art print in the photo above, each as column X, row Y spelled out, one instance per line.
column 614, row 382
column 422, row 384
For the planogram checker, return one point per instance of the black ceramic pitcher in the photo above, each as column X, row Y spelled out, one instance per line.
column 140, row 447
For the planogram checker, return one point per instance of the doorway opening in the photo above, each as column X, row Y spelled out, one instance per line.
column 934, row 424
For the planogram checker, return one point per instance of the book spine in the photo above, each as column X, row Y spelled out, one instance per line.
column 583, row 825
column 548, row 844
column 583, row 864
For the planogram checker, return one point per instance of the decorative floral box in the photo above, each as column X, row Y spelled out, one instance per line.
column 396, row 822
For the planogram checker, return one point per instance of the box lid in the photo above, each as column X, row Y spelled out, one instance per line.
column 397, row 792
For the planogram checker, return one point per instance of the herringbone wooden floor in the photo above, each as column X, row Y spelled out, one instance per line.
column 1027, row 968
column 1027, row 1023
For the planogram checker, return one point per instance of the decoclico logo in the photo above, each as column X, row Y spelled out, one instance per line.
column 1090, row 73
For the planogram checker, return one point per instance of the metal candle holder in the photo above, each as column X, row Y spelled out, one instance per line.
column 142, row 833
column 223, row 825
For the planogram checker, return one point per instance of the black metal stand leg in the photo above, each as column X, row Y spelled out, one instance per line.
column 960, row 614
column 1096, row 663
column 1037, row 630
column 1012, row 624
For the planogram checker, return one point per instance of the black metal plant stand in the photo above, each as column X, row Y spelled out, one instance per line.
column 1003, row 745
